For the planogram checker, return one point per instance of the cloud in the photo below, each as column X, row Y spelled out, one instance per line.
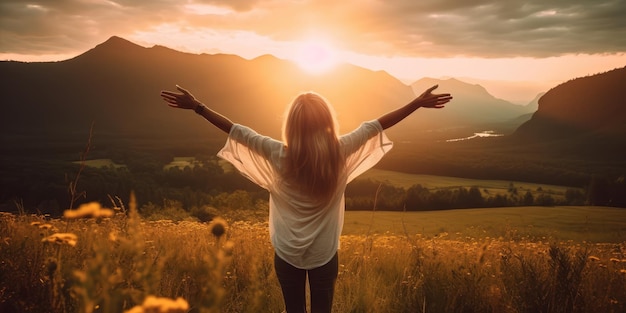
column 498, row 28
column 408, row 28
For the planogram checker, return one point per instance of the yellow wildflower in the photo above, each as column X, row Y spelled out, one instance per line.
column 113, row 236
column 161, row 305
column 88, row 210
column 61, row 238
column 228, row 247
column 45, row 226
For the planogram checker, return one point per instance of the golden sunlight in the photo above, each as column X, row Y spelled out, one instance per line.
column 315, row 57
column 207, row 9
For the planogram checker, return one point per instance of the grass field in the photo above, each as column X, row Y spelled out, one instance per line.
column 100, row 163
column 178, row 162
column 181, row 163
column 508, row 260
column 493, row 187
column 584, row 223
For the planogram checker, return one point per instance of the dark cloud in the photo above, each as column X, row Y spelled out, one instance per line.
column 58, row 26
column 427, row 28
column 510, row 28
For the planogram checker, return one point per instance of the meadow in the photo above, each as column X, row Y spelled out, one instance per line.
column 576, row 223
column 528, row 259
column 434, row 182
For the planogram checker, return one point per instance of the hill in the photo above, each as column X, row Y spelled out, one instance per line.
column 586, row 115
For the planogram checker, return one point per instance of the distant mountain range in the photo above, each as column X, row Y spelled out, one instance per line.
column 116, row 86
column 474, row 106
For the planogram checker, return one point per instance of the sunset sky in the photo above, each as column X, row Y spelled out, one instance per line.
column 532, row 45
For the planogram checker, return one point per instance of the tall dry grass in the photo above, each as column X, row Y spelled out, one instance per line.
column 123, row 263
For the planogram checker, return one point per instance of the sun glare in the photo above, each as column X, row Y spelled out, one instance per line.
column 315, row 57
column 207, row 9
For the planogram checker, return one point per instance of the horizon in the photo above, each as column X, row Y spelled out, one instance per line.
column 515, row 50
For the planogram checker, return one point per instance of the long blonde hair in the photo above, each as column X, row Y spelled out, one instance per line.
column 314, row 159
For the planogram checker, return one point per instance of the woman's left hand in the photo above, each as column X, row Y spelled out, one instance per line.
column 180, row 100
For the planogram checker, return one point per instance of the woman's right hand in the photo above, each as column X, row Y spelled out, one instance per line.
column 430, row 100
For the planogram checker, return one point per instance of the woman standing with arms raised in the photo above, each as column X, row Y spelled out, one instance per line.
column 306, row 175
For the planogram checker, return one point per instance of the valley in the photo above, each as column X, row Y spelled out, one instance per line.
column 116, row 107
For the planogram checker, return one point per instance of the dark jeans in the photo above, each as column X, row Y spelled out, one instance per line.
column 321, row 283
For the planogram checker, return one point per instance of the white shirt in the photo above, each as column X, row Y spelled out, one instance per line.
column 304, row 233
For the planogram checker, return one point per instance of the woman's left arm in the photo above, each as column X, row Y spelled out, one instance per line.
column 185, row 100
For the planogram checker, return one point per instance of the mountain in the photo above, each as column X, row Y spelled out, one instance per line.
column 116, row 86
column 586, row 114
column 514, row 91
column 472, row 106
column 533, row 105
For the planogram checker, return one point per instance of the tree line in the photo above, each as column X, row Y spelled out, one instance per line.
column 419, row 198
column 44, row 189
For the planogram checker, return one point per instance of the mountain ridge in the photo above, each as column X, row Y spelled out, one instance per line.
column 117, row 59
column 116, row 85
column 118, row 81
column 473, row 101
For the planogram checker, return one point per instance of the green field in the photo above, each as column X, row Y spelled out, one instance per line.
column 584, row 223
column 100, row 163
column 406, row 180
column 181, row 163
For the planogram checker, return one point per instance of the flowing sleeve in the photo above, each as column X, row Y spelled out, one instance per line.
column 251, row 154
column 364, row 147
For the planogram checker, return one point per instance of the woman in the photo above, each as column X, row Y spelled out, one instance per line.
column 306, row 175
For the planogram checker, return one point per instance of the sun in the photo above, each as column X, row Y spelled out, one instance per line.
column 315, row 57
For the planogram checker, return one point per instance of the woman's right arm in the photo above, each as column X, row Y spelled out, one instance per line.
column 185, row 100
column 426, row 100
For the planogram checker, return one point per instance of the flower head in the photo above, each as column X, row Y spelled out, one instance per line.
column 161, row 305
column 228, row 247
column 46, row 226
column 88, row 210
column 61, row 238
column 218, row 227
